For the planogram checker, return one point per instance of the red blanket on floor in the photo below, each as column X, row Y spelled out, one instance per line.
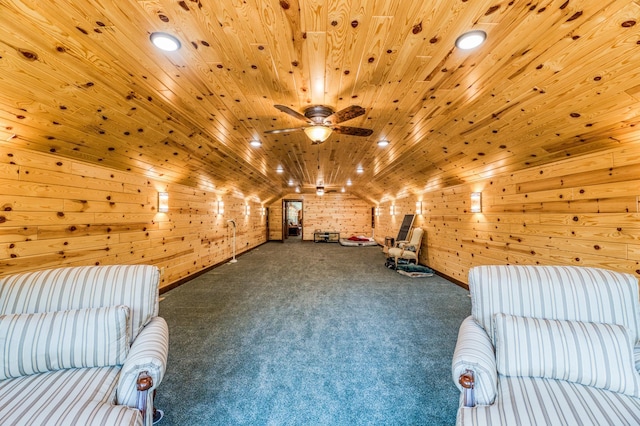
column 355, row 238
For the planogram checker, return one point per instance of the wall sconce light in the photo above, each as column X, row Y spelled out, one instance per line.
column 247, row 210
column 220, row 207
column 476, row 202
column 418, row 207
column 163, row 202
column 392, row 210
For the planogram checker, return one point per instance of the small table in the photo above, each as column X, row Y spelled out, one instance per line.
column 326, row 237
column 388, row 243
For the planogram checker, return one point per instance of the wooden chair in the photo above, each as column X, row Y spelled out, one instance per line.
column 409, row 250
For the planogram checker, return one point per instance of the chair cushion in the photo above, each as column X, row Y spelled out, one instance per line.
column 528, row 401
column 398, row 252
column 65, row 397
column 37, row 343
column 592, row 354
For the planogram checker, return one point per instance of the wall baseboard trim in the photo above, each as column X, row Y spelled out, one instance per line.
column 188, row 278
column 453, row 280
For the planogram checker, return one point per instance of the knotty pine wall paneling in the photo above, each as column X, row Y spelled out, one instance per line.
column 59, row 212
column 582, row 211
column 344, row 213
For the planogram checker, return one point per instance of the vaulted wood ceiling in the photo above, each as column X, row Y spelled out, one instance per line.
column 555, row 78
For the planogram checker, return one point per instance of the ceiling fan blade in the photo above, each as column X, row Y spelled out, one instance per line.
column 353, row 131
column 272, row 132
column 348, row 113
column 292, row 113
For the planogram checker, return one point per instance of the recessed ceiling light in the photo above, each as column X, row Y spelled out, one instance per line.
column 383, row 143
column 164, row 41
column 255, row 143
column 471, row 40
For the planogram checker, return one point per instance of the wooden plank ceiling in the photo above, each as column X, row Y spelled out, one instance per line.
column 555, row 78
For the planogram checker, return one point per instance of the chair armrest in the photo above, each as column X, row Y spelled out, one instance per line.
column 148, row 353
column 475, row 355
column 401, row 243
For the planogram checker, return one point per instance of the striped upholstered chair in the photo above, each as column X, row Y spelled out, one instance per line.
column 549, row 345
column 81, row 346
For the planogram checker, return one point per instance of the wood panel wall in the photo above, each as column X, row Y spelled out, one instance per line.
column 345, row 213
column 59, row 212
column 582, row 211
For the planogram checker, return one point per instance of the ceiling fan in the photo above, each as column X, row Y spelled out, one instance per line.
column 321, row 190
column 322, row 120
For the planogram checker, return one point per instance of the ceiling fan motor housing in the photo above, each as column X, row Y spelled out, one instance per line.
column 318, row 113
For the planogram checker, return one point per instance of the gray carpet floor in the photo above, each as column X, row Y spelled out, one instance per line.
column 311, row 334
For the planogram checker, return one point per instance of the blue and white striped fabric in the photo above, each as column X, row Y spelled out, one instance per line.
column 148, row 353
column 569, row 293
column 65, row 397
column 545, row 295
column 48, row 341
column 592, row 354
column 474, row 352
column 135, row 286
column 528, row 401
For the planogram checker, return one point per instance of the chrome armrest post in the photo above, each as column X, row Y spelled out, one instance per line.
column 467, row 381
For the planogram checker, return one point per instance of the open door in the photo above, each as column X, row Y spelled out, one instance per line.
column 292, row 212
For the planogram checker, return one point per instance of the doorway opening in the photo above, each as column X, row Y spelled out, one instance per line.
column 292, row 219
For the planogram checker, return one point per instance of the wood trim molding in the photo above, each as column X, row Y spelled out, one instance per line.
column 188, row 278
column 453, row 280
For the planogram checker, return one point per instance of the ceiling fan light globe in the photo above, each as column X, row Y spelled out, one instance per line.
column 318, row 133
